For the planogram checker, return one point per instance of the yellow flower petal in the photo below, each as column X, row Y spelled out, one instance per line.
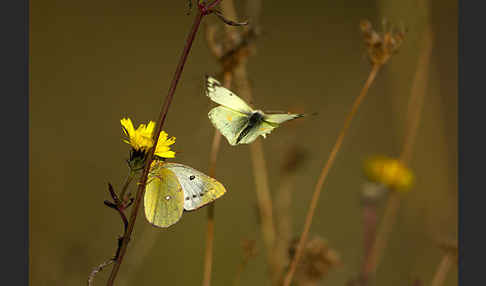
column 127, row 126
column 163, row 149
column 141, row 138
column 165, row 154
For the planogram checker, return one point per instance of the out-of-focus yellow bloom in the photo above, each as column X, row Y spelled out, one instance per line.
column 390, row 172
column 141, row 138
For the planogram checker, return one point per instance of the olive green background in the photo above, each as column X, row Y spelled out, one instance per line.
column 94, row 62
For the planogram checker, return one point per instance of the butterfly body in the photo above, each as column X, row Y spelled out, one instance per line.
column 172, row 188
column 255, row 119
column 236, row 120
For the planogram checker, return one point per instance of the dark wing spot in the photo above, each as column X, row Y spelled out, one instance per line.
column 192, row 177
column 194, row 196
column 201, row 194
column 187, row 198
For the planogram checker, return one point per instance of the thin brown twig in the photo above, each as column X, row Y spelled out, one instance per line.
column 260, row 174
column 208, row 254
column 418, row 91
column 203, row 9
column 294, row 159
column 130, row 177
column 442, row 270
column 325, row 171
column 264, row 199
column 240, row 78
column 98, row 269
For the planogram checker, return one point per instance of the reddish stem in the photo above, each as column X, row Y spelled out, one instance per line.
column 203, row 11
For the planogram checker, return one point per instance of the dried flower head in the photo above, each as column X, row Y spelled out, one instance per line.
column 449, row 246
column 381, row 47
column 317, row 260
column 389, row 172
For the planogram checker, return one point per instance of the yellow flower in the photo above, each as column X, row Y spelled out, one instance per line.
column 390, row 172
column 141, row 138
column 163, row 149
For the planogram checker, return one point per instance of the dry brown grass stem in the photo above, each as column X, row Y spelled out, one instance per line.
column 294, row 158
column 208, row 255
column 260, row 174
column 264, row 200
column 283, row 219
column 418, row 91
column 217, row 51
column 442, row 270
column 325, row 171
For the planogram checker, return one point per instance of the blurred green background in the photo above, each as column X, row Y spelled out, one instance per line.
column 94, row 62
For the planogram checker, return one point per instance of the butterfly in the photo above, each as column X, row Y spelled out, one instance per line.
column 172, row 188
column 236, row 120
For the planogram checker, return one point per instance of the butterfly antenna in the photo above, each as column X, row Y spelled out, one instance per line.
column 275, row 111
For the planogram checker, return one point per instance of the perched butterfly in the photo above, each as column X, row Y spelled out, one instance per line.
column 236, row 120
column 173, row 188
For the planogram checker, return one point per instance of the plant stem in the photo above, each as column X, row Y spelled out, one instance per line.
column 414, row 110
column 124, row 189
column 208, row 255
column 163, row 114
column 325, row 171
column 264, row 199
column 442, row 270
column 381, row 238
column 98, row 269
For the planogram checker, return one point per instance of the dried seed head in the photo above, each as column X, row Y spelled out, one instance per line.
column 448, row 246
column 317, row 260
column 381, row 47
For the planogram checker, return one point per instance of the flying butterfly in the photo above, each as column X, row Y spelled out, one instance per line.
column 172, row 188
column 236, row 120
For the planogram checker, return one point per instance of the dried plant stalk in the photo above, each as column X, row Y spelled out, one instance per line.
column 208, row 254
column 442, row 270
column 242, row 87
column 294, row 158
column 203, row 10
column 418, row 91
column 322, row 178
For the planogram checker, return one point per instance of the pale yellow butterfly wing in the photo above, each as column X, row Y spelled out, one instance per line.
column 164, row 197
column 229, row 122
column 281, row 117
column 263, row 128
column 221, row 95
column 199, row 189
